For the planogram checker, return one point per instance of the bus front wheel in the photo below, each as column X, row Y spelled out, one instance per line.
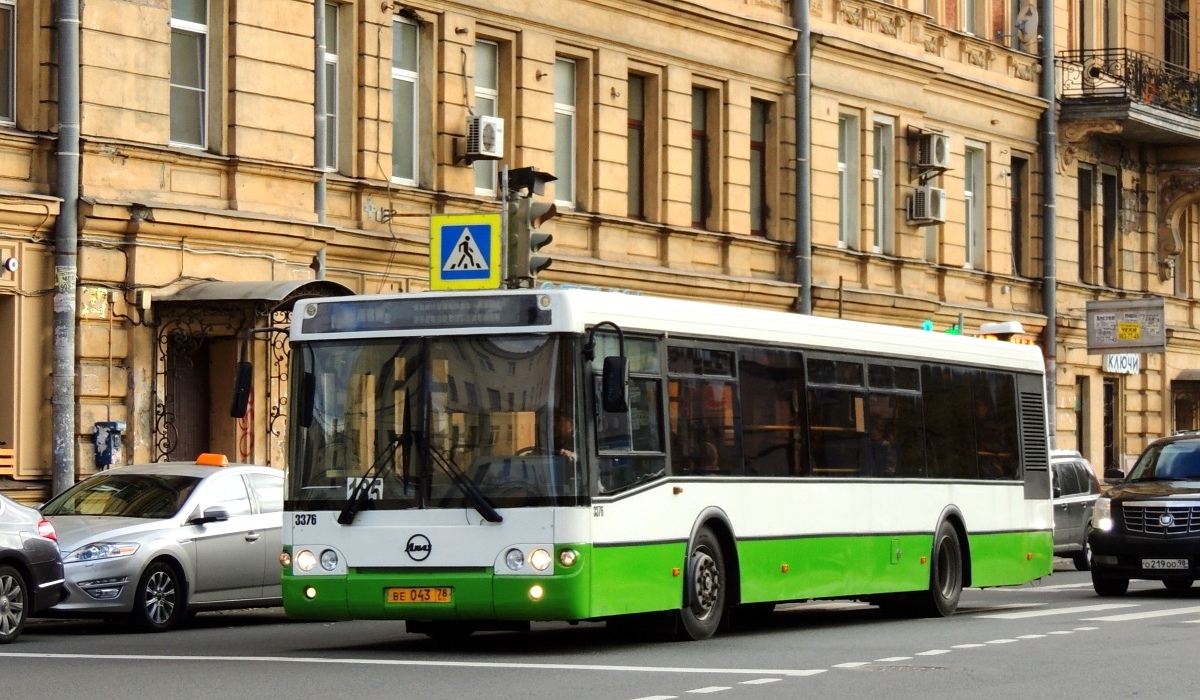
column 945, row 574
column 704, row 599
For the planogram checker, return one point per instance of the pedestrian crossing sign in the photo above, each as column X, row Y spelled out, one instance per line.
column 464, row 251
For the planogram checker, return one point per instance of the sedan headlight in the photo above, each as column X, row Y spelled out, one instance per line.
column 1102, row 514
column 96, row 551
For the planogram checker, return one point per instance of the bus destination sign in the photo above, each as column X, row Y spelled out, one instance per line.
column 357, row 315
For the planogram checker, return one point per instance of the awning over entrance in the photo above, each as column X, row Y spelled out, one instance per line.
column 282, row 294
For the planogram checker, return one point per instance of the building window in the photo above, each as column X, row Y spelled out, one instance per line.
column 974, row 199
column 189, row 73
column 487, row 98
column 701, row 187
column 8, row 55
column 1085, row 180
column 1176, row 17
column 883, row 184
column 332, row 90
column 405, row 120
column 1110, row 203
column 565, row 139
column 848, row 190
column 760, row 211
column 974, row 16
column 636, row 145
column 1019, row 215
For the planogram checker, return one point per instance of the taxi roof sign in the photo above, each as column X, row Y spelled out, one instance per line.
column 212, row 459
column 1001, row 328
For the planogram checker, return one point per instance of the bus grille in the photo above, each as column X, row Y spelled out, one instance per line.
column 1161, row 520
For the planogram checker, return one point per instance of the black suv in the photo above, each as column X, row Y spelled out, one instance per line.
column 1148, row 525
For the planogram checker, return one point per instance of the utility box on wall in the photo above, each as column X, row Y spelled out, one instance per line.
column 108, row 443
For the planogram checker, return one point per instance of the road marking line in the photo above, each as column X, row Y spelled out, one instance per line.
column 1056, row 587
column 1191, row 621
column 1086, row 629
column 658, row 697
column 968, row 646
column 893, row 658
column 1145, row 615
column 1062, row 632
column 710, row 689
column 1060, row 611
column 759, row 681
column 852, row 664
column 412, row 662
column 1001, row 641
column 933, row 652
column 1030, row 636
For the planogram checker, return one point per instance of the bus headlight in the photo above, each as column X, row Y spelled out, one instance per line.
column 305, row 560
column 514, row 559
column 540, row 559
column 329, row 560
column 1102, row 514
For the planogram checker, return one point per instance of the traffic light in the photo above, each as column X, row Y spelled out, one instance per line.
column 527, row 240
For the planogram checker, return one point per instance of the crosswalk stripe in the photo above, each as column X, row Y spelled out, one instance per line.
column 1059, row 611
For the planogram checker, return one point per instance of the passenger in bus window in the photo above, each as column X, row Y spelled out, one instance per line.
column 564, row 435
column 995, row 453
column 708, row 460
column 882, row 451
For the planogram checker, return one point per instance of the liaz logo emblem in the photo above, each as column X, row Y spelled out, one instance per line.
column 418, row 548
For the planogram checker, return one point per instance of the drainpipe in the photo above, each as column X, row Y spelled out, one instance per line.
column 63, row 432
column 803, row 59
column 1049, row 216
column 320, row 109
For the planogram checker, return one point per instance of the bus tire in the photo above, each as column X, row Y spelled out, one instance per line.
column 945, row 574
column 706, row 584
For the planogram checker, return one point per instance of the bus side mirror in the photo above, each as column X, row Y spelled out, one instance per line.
column 614, row 384
column 243, row 380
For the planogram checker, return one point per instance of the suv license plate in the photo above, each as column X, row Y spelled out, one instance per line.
column 1161, row 564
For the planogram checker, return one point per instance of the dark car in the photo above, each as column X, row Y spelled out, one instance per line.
column 1148, row 525
column 31, row 568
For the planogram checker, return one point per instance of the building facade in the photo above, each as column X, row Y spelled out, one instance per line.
column 236, row 157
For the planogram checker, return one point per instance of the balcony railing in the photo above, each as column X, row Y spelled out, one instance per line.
column 1129, row 75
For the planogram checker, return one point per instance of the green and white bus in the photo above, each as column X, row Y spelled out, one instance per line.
column 481, row 460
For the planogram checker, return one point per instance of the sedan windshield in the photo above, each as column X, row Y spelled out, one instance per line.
column 450, row 422
column 152, row 496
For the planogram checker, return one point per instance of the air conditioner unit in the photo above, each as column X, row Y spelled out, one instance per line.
column 933, row 151
column 927, row 205
column 485, row 138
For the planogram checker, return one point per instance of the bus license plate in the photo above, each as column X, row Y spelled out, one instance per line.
column 1161, row 564
column 418, row 594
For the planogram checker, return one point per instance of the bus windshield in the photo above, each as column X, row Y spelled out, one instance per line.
column 436, row 422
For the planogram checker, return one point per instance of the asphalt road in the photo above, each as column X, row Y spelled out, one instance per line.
column 1051, row 639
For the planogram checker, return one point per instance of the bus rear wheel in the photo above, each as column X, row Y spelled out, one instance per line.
column 705, row 594
column 945, row 574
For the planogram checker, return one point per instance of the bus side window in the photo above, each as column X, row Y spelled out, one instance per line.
column 771, row 384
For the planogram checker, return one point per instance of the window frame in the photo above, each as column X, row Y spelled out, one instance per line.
column 883, row 183
column 8, row 91
column 975, row 205
column 636, row 148
column 190, row 28
column 331, row 62
column 566, row 131
column 849, row 189
column 762, row 113
column 411, row 76
column 487, row 172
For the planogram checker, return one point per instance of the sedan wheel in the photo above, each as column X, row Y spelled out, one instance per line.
column 161, row 601
column 13, row 599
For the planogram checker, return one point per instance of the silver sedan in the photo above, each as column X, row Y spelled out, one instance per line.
column 153, row 542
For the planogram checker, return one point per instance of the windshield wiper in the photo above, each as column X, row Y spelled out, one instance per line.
column 362, row 490
column 474, row 496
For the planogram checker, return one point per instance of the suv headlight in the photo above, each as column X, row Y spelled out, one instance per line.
column 1102, row 514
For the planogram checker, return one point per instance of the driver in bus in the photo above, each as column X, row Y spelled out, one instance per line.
column 564, row 436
